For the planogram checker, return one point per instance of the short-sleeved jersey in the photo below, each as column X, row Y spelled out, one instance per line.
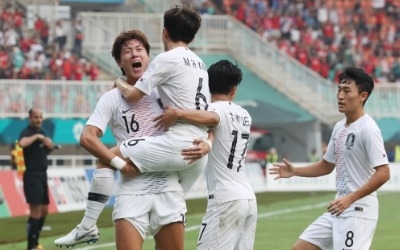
column 35, row 155
column 182, row 80
column 131, row 121
column 225, row 173
column 356, row 150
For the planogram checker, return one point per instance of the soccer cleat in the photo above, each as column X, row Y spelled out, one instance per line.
column 78, row 236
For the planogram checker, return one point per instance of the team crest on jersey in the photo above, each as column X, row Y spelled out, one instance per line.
column 350, row 140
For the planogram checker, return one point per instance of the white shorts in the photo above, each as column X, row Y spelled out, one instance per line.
column 159, row 153
column 149, row 213
column 229, row 225
column 335, row 232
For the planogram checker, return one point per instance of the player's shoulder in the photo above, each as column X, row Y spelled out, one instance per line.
column 339, row 124
column 368, row 123
column 112, row 94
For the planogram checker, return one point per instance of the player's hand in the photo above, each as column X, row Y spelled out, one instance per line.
column 283, row 169
column 167, row 119
column 116, row 80
column 339, row 205
column 129, row 170
column 199, row 149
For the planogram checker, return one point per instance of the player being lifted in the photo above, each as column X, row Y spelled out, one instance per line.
column 182, row 81
column 151, row 203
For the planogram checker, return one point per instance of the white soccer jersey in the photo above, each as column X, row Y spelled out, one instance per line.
column 133, row 120
column 356, row 150
column 182, row 80
column 225, row 174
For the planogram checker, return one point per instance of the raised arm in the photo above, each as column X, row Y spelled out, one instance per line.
column 130, row 93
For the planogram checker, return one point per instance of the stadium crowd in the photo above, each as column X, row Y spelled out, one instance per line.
column 38, row 54
column 325, row 35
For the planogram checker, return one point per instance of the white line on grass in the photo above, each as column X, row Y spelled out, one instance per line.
column 188, row 229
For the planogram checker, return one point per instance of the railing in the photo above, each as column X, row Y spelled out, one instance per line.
column 77, row 99
column 62, row 99
column 58, row 161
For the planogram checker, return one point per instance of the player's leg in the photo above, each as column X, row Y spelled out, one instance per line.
column 353, row 233
column 131, row 220
column 170, row 237
column 156, row 153
column 216, row 235
column 101, row 189
column 127, row 236
column 248, row 231
column 190, row 175
column 167, row 220
column 318, row 235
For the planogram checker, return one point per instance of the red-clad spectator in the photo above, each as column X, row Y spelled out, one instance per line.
column 324, row 71
column 315, row 64
column 17, row 20
column 302, row 55
column 93, row 71
column 38, row 24
column 24, row 72
column 67, row 68
column 241, row 11
column 284, row 46
column 5, row 16
column 25, row 43
column 79, row 69
column 44, row 33
column 328, row 33
column 4, row 58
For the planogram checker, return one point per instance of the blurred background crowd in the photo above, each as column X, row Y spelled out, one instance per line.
column 40, row 52
column 325, row 35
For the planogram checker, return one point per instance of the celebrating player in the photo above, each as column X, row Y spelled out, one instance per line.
column 356, row 150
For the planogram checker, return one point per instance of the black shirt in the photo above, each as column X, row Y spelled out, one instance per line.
column 35, row 155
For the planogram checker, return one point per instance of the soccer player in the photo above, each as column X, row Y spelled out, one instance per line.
column 231, row 198
column 36, row 147
column 356, row 150
column 151, row 203
column 182, row 81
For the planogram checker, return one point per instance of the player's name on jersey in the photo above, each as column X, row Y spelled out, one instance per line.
column 190, row 62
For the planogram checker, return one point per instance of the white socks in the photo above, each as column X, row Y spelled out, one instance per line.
column 101, row 188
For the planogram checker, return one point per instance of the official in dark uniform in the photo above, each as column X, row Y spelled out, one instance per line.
column 36, row 146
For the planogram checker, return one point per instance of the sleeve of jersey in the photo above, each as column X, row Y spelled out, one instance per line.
column 373, row 143
column 104, row 110
column 214, row 107
column 158, row 72
column 330, row 150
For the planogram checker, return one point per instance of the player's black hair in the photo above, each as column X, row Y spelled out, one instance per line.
column 125, row 36
column 223, row 76
column 182, row 23
column 363, row 81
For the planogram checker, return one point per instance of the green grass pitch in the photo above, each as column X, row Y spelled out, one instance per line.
column 282, row 217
